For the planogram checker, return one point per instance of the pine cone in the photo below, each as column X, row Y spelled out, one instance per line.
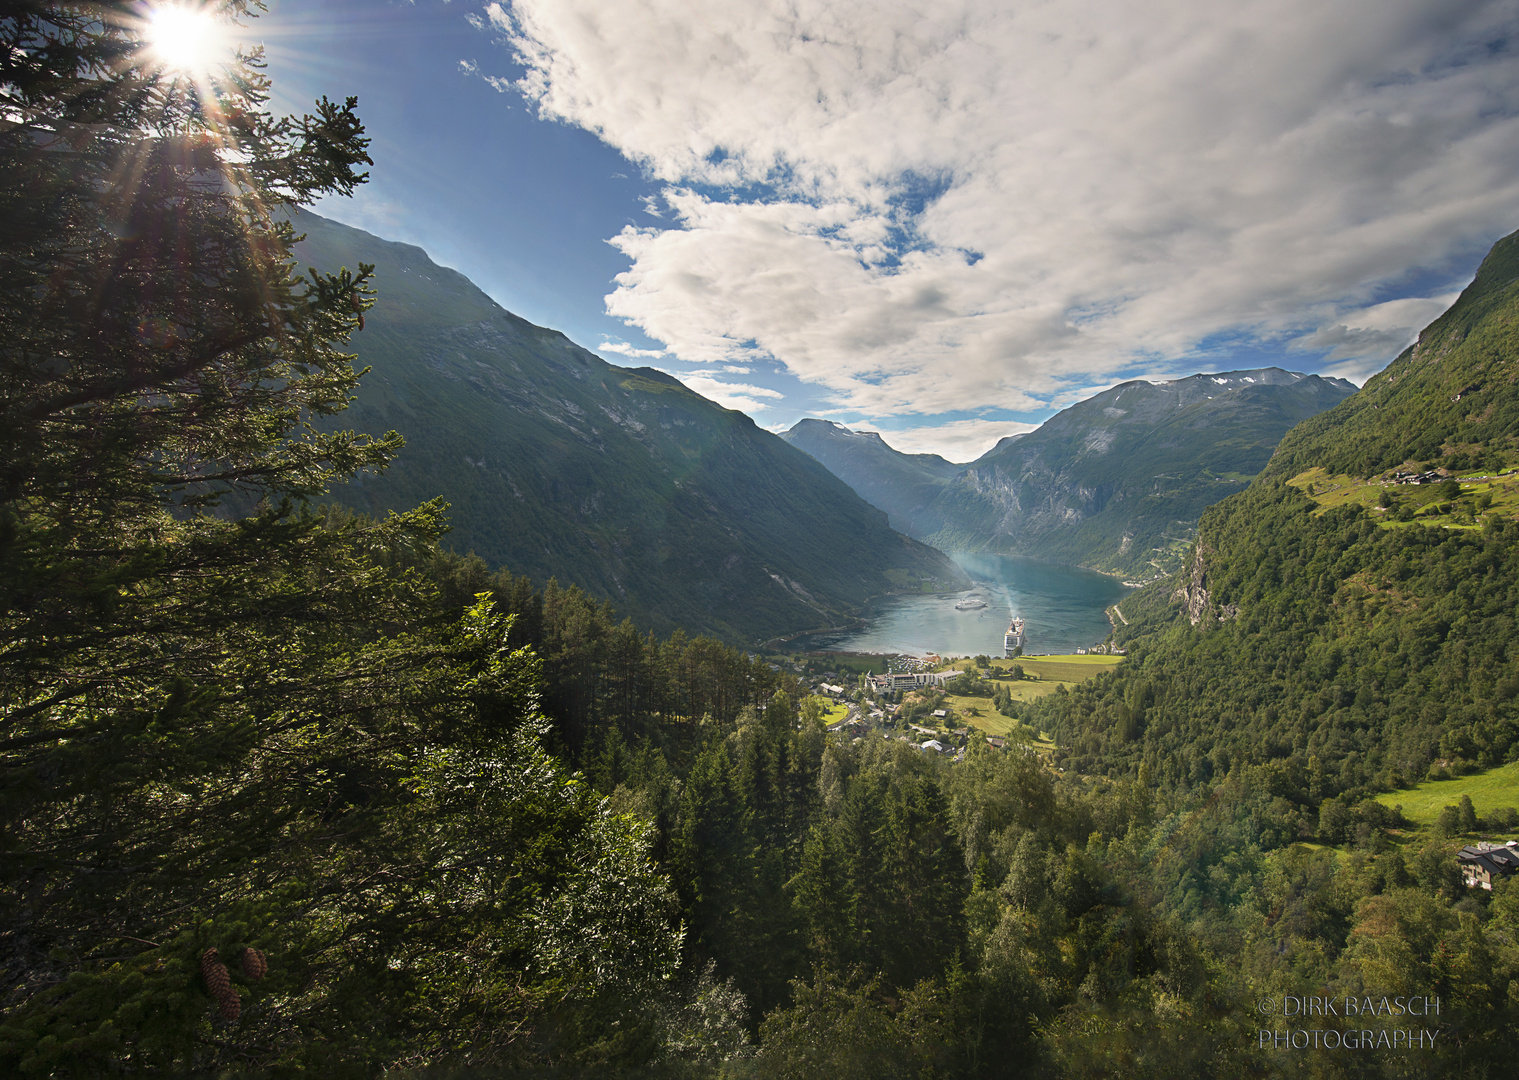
column 253, row 963
column 219, row 983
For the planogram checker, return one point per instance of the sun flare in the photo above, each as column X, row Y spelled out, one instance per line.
column 186, row 38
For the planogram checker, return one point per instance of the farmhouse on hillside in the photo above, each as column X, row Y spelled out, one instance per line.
column 1483, row 863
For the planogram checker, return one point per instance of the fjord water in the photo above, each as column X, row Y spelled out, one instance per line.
column 1064, row 608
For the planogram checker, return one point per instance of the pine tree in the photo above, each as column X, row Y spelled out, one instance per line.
column 228, row 733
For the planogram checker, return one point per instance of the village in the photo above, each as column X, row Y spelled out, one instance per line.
column 938, row 704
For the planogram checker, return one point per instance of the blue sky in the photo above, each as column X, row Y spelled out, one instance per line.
column 944, row 220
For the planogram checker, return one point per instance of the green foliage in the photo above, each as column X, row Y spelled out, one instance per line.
column 842, row 1028
column 881, row 884
column 968, row 684
column 1377, row 651
column 259, row 732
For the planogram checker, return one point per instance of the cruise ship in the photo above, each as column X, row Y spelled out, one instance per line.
column 1014, row 639
column 970, row 603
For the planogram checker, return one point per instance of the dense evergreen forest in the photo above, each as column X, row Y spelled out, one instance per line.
column 301, row 793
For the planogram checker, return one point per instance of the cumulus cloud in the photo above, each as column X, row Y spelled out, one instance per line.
column 927, row 206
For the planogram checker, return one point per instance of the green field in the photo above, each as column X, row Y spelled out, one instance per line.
column 992, row 722
column 1030, row 663
column 1066, row 669
column 836, row 710
column 1338, row 490
column 1042, row 675
column 850, row 665
column 1489, row 791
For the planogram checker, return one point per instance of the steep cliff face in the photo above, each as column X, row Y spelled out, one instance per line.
column 1193, row 590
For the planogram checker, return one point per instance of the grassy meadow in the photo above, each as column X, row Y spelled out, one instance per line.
column 1042, row 675
column 1489, row 791
column 1429, row 506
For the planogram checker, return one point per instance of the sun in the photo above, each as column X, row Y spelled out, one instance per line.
column 186, row 37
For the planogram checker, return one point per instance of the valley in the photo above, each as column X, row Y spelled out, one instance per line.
column 1064, row 607
column 393, row 688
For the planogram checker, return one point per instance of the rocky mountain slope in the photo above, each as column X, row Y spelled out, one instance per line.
column 1118, row 481
column 622, row 481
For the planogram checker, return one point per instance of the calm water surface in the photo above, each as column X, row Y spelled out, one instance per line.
column 1063, row 605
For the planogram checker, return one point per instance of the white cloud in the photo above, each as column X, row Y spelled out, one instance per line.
column 933, row 205
column 740, row 396
column 957, row 440
column 622, row 348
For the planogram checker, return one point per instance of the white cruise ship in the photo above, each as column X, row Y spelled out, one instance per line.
column 1014, row 638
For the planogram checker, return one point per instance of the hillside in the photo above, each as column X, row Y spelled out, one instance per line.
column 1448, row 401
column 622, row 481
column 1342, row 634
column 904, row 485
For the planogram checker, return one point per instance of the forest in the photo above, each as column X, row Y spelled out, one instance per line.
column 305, row 792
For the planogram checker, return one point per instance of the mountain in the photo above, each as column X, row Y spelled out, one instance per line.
column 1115, row 482
column 621, row 481
column 1447, row 401
column 904, row 485
column 1339, row 630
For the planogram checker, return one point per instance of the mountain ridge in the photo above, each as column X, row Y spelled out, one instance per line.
column 622, row 481
column 1115, row 482
column 903, row 485
column 1450, row 382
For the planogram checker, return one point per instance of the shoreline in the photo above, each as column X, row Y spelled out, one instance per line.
column 860, row 623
